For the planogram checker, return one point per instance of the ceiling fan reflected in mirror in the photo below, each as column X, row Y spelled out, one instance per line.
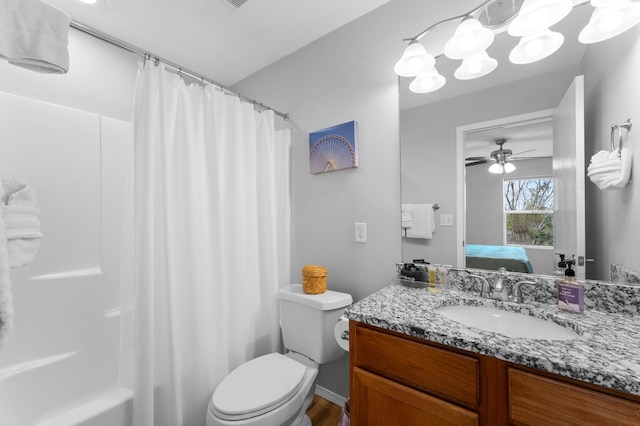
column 500, row 158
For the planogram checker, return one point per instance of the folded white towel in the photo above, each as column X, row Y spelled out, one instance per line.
column 611, row 170
column 34, row 35
column 406, row 216
column 6, row 299
column 21, row 222
column 422, row 221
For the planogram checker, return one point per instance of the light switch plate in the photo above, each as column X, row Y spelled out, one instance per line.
column 446, row 220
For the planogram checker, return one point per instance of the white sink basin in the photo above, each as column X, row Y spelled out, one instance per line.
column 510, row 324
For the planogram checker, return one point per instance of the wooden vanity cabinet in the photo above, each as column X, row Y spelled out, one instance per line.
column 401, row 380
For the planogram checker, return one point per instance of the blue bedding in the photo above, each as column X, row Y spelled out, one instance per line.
column 513, row 259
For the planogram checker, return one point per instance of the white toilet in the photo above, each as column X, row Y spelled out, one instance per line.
column 277, row 389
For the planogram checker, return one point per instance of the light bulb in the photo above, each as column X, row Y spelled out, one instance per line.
column 475, row 65
column 538, row 18
column 414, row 64
column 536, row 15
column 610, row 20
column 509, row 167
column 533, row 47
column 468, row 41
column 414, row 58
column 427, row 82
column 536, row 47
column 496, row 168
column 469, row 38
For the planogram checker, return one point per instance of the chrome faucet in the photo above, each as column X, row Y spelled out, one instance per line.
column 485, row 287
column 516, row 291
column 500, row 290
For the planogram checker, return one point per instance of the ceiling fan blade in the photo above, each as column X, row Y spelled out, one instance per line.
column 522, row 152
column 480, row 161
column 478, row 158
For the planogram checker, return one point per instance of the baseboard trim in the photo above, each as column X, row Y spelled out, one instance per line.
column 330, row 396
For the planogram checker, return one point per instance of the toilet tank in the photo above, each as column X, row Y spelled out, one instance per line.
column 308, row 321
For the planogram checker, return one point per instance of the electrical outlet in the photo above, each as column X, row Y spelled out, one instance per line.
column 361, row 232
column 446, row 220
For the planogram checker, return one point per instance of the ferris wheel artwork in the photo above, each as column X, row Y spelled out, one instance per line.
column 333, row 148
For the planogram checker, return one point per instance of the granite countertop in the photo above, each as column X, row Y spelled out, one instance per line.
column 606, row 353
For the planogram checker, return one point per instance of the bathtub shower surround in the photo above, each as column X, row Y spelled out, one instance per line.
column 19, row 241
column 206, row 247
column 66, row 302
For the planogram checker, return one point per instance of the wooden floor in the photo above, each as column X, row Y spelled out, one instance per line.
column 323, row 413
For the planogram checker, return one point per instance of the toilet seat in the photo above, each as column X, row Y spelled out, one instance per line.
column 257, row 387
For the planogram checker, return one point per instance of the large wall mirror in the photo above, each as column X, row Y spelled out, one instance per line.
column 447, row 138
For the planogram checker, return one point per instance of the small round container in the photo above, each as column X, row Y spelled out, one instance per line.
column 314, row 279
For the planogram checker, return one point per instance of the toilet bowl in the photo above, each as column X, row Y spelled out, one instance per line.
column 273, row 389
column 277, row 389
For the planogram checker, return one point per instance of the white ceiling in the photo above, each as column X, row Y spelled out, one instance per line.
column 212, row 38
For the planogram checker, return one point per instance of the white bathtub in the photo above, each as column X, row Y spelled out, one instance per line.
column 112, row 408
column 60, row 365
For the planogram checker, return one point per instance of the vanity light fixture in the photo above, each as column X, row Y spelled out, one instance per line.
column 529, row 19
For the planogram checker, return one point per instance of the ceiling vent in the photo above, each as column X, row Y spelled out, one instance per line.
column 234, row 4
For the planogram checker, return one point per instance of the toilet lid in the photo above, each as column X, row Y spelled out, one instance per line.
column 266, row 381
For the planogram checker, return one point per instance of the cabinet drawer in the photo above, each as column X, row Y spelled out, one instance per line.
column 537, row 400
column 444, row 373
column 385, row 402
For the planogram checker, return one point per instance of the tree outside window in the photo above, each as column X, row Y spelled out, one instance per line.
column 528, row 208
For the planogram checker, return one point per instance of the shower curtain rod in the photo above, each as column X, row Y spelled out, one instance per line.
column 133, row 49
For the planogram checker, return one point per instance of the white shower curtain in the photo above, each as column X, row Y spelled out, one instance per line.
column 206, row 244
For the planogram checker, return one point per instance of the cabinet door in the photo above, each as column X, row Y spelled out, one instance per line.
column 536, row 400
column 382, row 402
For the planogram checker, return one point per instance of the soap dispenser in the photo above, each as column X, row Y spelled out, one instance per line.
column 562, row 266
column 570, row 292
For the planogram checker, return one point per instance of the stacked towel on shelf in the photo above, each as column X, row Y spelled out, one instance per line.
column 611, row 170
column 21, row 222
column 6, row 299
column 422, row 220
column 34, row 35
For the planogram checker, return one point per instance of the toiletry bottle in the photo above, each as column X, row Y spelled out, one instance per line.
column 562, row 266
column 570, row 292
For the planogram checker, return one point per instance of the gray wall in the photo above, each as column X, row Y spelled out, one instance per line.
column 344, row 76
column 428, row 148
column 611, row 96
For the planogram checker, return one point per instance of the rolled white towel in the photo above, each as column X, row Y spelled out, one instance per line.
column 611, row 170
column 34, row 35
